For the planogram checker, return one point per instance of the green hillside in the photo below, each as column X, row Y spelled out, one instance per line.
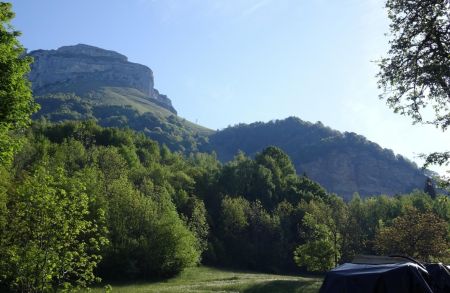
column 84, row 82
column 342, row 162
column 124, row 107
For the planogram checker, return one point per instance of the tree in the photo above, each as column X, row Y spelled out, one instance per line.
column 420, row 235
column 416, row 72
column 196, row 218
column 429, row 188
column 50, row 240
column 316, row 255
column 16, row 104
column 234, row 215
column 355, row 238
column 276, row 161
column 323, row 238
column 441, row 207
column 148, row 238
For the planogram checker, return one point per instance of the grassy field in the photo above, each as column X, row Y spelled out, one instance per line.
column 205, row 279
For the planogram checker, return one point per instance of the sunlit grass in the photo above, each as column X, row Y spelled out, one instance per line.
column 205, row 279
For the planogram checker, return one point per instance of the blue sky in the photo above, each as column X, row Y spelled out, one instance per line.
column 223, row 62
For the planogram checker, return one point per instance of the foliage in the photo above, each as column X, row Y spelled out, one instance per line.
column 423, row 236
column 416, row 73
column 147, row 238
column 153, row 230
column 164, row 212
column 16, row 104
column 316, row 255
column 168, row 129
column 318, row 151
column 270, row 178
column 253, row 204
column 321, row 233
column 76, row 186
column 193, row 212
column 50, row 240
column 370, row 226
column 312, row 147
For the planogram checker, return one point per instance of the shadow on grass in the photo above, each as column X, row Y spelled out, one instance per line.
column 285, row 286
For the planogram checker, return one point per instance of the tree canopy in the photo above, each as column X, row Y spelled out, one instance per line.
column 417, row 234
column 16, row 104
column 415, row 74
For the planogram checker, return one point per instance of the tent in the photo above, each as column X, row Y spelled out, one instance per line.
column 385, row 274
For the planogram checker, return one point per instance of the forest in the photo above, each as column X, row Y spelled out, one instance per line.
column 81, row 203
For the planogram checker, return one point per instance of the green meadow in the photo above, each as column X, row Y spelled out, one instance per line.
column 206, row 279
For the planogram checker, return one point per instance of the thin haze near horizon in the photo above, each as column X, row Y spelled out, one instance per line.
column 224, row 62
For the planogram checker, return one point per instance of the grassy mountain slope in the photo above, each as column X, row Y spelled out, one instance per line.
column 124, row 107
column 86, row 82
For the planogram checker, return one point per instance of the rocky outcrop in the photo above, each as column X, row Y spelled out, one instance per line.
column 356, row 169
column 82, row 68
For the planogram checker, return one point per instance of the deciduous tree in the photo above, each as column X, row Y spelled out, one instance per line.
column 415, row 74
column 416, row 71
column 50, row 240
column 420, row 235
column 323, row 238
column 16, row 104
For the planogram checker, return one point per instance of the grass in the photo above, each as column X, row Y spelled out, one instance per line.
column 128, row 96
column 206, row 279
column 124, row 96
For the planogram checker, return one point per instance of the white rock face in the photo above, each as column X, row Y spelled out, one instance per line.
column 83, row 67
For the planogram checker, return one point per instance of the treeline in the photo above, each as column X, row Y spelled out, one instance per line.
column 414, row 225
column 77, row 194
column 81, row 202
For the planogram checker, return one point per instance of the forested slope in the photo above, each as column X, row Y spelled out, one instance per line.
column 343, row 163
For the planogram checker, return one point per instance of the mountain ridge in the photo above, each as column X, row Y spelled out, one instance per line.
column 342, row 162
column 85, row 82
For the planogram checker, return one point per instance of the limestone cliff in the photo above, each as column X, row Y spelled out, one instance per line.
column 82, row 68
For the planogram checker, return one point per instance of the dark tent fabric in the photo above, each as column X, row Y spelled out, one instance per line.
column 440, row 277
column 405, row 277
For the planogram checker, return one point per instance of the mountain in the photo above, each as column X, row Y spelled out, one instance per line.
column 343, row 163
column 85, row 82
column 82, row 69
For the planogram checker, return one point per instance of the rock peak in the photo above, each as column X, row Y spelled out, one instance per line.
column 91, row 51
column 82, row 68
